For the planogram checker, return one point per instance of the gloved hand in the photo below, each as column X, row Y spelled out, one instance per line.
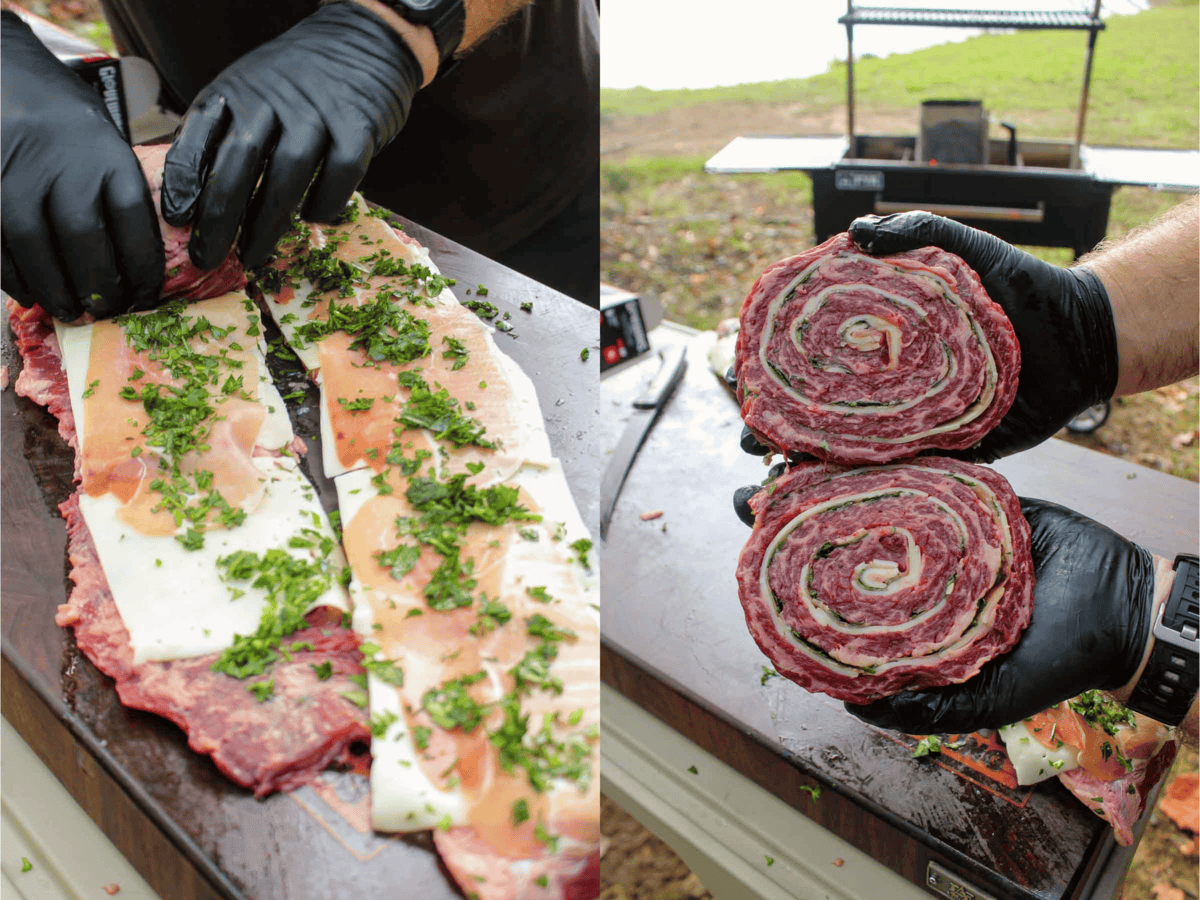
column 318, row 101
column 1091, row 621
column 80, row 233
column 1062, row 318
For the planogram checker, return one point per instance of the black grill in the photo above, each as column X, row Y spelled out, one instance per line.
column 973, row 18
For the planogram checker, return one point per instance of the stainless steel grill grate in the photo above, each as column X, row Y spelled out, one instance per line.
column 973, row 18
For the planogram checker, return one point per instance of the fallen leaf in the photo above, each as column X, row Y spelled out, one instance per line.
column 112, row 889
column 1185, row 439
column 1181, row 801
column 839, row 862
column 652, row 514
column 1167, row 892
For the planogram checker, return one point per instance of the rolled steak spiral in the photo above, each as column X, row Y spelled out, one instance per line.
column 854, row 358
column 860, row 583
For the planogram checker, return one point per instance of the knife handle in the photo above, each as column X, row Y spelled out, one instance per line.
column 670, row 373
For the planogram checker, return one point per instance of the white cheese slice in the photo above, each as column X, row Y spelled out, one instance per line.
column 173, row 601
column 1032, row 761
column 291, row 315
column 403, row 798
column 76, row 344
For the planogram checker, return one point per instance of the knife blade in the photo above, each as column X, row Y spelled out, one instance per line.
column 645, row 410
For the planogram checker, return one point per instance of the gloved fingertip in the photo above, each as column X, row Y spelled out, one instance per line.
column 879, row 713
column 731, row 377
column 862, row 232
column 203, row 255
column 741, row 503
column 750, row 444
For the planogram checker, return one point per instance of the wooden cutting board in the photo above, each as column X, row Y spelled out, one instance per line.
column 675, row 642
column 190, row 832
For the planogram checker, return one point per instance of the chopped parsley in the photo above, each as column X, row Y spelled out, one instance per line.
column 450, row 706
column 380, row 722
column 1101, row 711
column 421, row 736
column 927, row 745
column 520, row 812
column 291, row 584
column 455, row 350
column 382, row 330
column 582, row 546
column 262, row 690
column 362, row 404
column 324, row 670
column 539, row 593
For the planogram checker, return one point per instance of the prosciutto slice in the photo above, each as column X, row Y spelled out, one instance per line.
column 1107, row 756
column 854, row 358
column 264, row 747
column 863, row 582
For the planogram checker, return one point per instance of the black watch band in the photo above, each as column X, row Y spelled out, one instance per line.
column 447, row 19
column 1169, row 683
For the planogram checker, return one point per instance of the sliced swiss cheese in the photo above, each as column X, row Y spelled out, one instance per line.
column 173, row 600
column 529, row 577
column 500, row 394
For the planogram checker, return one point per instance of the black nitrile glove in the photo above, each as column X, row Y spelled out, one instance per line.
column 319, row 101
column 1091, row 622
column 1062, row 318
column 749, row 442
column 80, row 233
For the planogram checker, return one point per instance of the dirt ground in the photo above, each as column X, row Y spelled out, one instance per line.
column 698, row 241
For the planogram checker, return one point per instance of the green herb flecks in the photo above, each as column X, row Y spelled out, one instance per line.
column 1101, row 711
column 382, row 330
column 439, row 413
column 455, row 350
column 450, row 706
column 380, row 722
column 927, row 745
column 291, row 584
column 543, row 755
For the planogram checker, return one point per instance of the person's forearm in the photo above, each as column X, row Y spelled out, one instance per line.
column 1153, row 283
column 483, row 16
column 1164, row 578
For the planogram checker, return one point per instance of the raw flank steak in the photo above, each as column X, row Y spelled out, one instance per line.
column 267, row 746
column 860, row 583
column 854, row 358
column 183, row 278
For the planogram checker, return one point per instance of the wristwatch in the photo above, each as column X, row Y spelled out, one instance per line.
column 446, row 19
column 1169, row 683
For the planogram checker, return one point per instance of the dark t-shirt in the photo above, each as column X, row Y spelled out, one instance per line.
column 490, row 152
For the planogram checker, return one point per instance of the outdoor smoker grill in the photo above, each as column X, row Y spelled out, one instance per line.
column 1044, row 192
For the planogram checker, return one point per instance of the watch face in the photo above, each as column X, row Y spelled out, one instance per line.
column 422, row 5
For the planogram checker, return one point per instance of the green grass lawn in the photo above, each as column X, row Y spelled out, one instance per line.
column 1143, row 91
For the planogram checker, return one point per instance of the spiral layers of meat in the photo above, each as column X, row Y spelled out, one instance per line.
column 855, row 358
column 863, row 582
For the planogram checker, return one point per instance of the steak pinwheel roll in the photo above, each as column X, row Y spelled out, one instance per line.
column 860, row 583
column 854, row 358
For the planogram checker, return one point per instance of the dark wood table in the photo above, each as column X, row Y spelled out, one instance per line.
column 674, row 642
column 191, row 833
